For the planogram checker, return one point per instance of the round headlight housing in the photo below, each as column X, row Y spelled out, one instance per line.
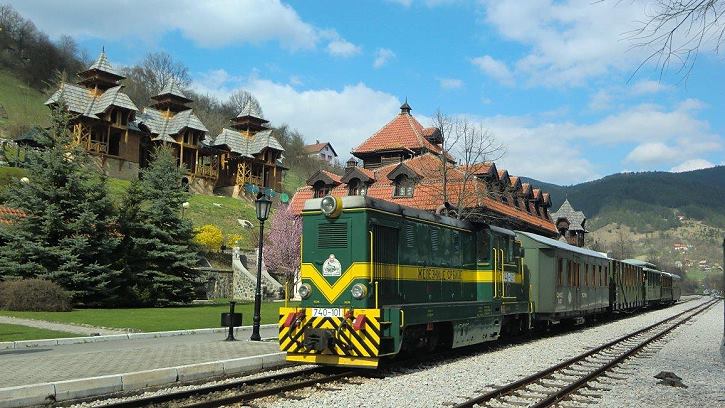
column 330, row 206
column 305, row 290
column 359, row 290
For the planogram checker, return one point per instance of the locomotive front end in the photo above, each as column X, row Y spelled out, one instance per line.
column 337, row 322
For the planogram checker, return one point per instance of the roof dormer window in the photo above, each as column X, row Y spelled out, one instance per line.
column 357, row 188
column 321, row 189
column 403, row 186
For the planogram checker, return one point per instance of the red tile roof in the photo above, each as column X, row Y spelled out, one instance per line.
column 428, row 192
column 401, row 133
column 315, row 148
column 8, row 215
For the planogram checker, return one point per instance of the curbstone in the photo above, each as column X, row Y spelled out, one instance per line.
column 143, row 379
column 86, row 387
column 273, row 359
column 36, row 343
column 199, row 371
column 26, row 395
column 7, row 345
column 150, row 335
column 240, row 365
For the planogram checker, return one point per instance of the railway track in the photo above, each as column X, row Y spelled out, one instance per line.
column 237, row 391
column 554, row 384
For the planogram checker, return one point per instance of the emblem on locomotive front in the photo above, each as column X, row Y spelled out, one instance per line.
column 331, row 267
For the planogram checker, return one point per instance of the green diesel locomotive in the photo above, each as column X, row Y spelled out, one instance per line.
column 379, row 279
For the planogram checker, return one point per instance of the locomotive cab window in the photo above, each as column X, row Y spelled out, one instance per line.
column 484, row 247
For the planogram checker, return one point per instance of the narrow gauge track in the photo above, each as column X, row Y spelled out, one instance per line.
column 237, row 391
column 564, row 379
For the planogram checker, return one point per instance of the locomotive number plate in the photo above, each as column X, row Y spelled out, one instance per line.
column 320, row 312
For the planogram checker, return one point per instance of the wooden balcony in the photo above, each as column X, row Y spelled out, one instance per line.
column 207, row 171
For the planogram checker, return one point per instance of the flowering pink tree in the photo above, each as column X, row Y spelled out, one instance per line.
column 282, row 248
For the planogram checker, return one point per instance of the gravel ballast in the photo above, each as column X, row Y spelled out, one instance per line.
column 692, row 352
column 442, row 384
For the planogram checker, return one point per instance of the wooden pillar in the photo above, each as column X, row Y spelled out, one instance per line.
column 181, row 152
column 196, row 160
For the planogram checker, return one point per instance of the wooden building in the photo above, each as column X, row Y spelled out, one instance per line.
column 250, row 154
column 245, row 157
column 104, row 118
column 403, row 162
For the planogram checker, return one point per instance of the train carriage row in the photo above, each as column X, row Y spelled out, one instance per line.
column 379, row 279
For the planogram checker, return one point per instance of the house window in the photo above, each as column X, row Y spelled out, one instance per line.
column 357, row 187
column 504, row 199
column 321, row 189
column 403, row 186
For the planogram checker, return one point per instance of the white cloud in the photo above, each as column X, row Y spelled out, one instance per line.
column 450, row 83
column 569, row 42
column 646, row 87
column 693, row 164
column 382, row 56
column 342, row 48
column 600, row 101
column 648, row 153
column 344, row 116
column 494, row 68
column 207, row 23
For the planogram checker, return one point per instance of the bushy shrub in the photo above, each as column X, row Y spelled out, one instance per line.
column 210, row 237
column 34, row 295
column 234, row 240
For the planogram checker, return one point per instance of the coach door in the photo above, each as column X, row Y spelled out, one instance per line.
column 386, row 260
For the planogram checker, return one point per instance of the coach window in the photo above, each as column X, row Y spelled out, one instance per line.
column 559, row 271
column 586, row 274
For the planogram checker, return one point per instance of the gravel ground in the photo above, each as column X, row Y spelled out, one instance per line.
column 692, row 352
column 441, row 384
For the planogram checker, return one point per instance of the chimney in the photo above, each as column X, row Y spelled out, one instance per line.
column 317, row 141
column 351, row 163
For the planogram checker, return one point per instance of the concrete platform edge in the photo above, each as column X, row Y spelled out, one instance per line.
column 114, row 337
column 36, row 394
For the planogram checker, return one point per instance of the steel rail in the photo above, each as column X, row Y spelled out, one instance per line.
column 517, row 385
column 265, row 392
column 194, row 392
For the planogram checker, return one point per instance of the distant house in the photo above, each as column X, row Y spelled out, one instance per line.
column 322, row 151
column 680, row 247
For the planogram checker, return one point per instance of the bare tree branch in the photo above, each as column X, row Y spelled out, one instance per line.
column 675, row 31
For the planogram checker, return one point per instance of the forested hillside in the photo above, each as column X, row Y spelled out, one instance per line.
column 647, row 201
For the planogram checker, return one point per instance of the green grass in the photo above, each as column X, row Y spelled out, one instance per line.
column 292, row 181
column 24, row 105
column 202, row 210
column 154, row 319
column 13, row 332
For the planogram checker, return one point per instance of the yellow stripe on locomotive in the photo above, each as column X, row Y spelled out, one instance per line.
column 349, row 340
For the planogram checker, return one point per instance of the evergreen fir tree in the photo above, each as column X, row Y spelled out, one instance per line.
column 158, row 250
column 68, row 235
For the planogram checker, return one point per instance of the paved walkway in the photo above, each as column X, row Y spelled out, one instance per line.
column 64, row 327
column 66, row 362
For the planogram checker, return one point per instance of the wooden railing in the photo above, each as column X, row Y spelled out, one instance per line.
column 97, row 147
column 206, row 171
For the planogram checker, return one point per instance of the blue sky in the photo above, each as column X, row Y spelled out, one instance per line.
column 552, row 80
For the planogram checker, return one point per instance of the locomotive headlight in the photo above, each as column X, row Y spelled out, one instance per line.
column 359, row 291
column 305, row 291
column 330, row 206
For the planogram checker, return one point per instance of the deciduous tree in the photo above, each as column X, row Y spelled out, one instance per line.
column 282, row 249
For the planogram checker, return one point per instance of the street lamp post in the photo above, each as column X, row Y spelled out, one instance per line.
column 184, row 206
column 262, row 205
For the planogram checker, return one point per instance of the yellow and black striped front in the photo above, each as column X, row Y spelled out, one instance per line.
column 346, row 345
